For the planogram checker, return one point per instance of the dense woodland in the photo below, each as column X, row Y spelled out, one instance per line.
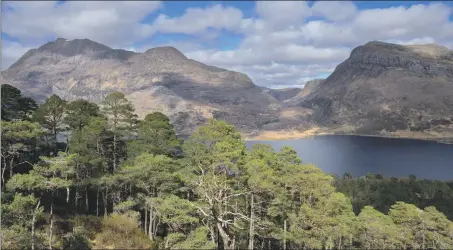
column 121, row 182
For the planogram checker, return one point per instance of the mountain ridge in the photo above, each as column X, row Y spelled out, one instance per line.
column 81, row 68
column 380, row 89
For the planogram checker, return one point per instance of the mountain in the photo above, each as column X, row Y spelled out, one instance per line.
column 160, row 79
column 386, row 88
column 380, row 89
column 283, row 94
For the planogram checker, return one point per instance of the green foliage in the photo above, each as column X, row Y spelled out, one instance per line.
column 78, row 241
column 19, row 137
column 175, row 212
column 383, row 193
column 87, row 225
column 14, row 105
column 50, row 114
column 20, row 131
column 197, row 239
column 152, row 175
column 20, row 211
column 17, row 237
column 92, row 146
column 27, row 182
column 216, row 194
column 120, row 112
column 377, row 230
column 19, row 140
column 156, row 135
column 122, row 121
column 121, row 232
column 79, row 112
column 424, row 228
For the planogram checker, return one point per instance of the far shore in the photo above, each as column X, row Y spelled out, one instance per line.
column 310, row 133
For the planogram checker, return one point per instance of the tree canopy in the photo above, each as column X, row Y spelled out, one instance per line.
column 122, row 182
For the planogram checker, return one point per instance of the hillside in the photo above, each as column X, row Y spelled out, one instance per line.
column 386, row 89
column 160, row 79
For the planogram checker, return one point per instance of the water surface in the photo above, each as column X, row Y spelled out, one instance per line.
column 360, row 155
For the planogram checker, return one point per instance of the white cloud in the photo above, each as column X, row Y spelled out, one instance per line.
column 295, row 45
column 111, row 23
column 400, row 22
column 11, row 51
column 198, row 20
column 279, row 47
column 287, row 53
column 335, row 11
column 283, row 13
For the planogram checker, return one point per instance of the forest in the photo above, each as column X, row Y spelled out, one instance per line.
column 117, row 182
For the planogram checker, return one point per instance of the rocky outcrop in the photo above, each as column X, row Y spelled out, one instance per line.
column 387, row 87
column 160, row 79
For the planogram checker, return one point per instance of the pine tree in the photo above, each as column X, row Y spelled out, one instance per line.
column 50, row 115
column 18, row 139
column 122, row 119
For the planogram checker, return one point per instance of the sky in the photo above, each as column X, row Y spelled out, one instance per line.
column 277, row 43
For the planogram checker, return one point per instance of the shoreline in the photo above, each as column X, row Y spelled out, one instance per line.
column 295, row 135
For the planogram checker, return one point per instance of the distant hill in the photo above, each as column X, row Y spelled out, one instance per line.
column 385, row 88
column 283, row 94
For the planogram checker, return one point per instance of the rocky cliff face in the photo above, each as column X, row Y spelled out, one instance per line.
column 160, row 79
column 387, row 87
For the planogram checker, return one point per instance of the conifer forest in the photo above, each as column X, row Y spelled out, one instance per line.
column 77, row 175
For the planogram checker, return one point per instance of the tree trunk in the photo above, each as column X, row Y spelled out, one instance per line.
column 11, row 166
column 55, row 141
column 105, row 203
column 252, row 217
column 87, row 205
column 3, row 172
column 211, row 232
column 166, row 243
column 33, row 225
column 114, row 150
column 284, row 235
column 146, row 220
column 51, row 222
column 150, row 229
column 67, row 194
column 225, row 238
column 76, row 198
column 97, row 201
column 423, row 244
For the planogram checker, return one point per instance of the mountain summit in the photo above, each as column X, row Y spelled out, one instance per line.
column 160, row 79
column 74, row 47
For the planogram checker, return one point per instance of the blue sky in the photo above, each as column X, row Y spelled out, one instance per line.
column 278, row 44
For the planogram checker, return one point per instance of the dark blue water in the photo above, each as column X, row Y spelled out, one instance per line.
column 361, row 155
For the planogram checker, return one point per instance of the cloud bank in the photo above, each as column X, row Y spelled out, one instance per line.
column 282, row 44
